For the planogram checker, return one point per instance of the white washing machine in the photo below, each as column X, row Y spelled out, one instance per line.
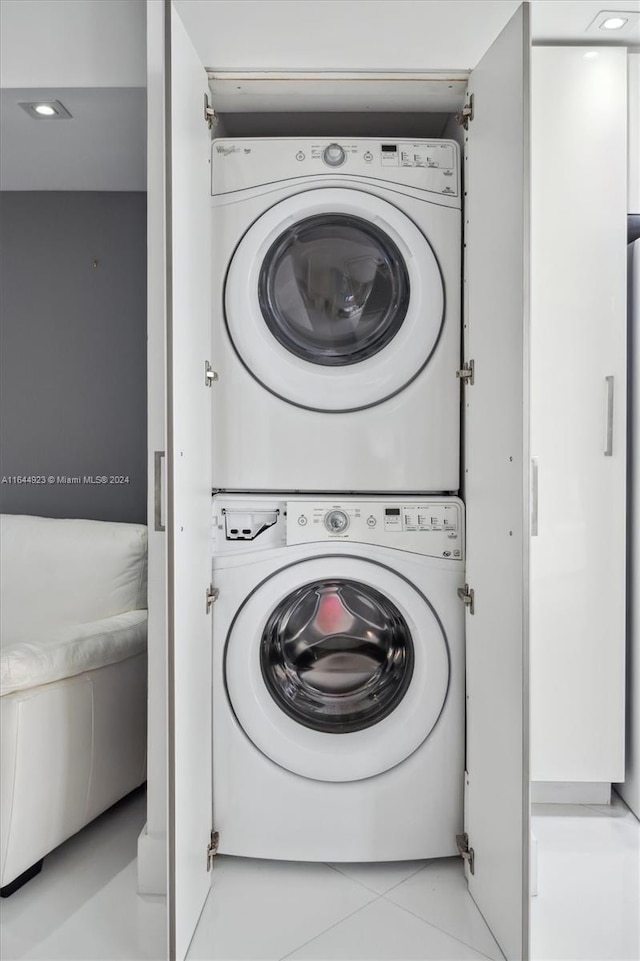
column 338, row 684
column 336, row 315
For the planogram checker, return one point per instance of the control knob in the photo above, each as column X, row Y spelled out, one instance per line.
column 334, row 155
column 336, row 521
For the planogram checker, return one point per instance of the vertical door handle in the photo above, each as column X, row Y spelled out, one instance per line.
column 534, row 496
column 157, row 490
column 608, row 449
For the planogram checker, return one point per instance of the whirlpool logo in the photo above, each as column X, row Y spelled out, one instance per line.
column 226, row 149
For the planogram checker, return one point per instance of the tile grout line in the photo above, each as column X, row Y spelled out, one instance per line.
column 366, row 886
column 442, row 930
column 334, row 925
column 408, row 878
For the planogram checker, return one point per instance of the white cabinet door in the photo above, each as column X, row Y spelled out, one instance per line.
column 495, row 481
column 189, row 485
column 578, row 412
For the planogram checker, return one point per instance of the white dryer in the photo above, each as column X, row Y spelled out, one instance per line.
column 336, row 315
column 338, row 677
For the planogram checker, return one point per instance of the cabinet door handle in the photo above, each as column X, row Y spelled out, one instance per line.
column 608, row 450
column 534, row 496
column 157, row 491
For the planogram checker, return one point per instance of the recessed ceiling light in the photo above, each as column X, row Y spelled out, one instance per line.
column 46, row 110
column 623, row 25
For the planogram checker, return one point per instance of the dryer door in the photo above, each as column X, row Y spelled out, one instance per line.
column 337, row 668
column 334, row 300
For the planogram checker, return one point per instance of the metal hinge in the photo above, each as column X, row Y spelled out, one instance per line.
column 466, row 853
column 465, row 374
column 466, row 596
column 212, row 596
column 210, row 375
column 466, row 114
column 209, row 112
column 212, row 848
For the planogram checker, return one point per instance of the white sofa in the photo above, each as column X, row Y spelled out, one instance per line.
column 73, row 680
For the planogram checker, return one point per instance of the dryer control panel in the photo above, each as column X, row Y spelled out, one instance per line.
column 429, row 165
column 432, row 527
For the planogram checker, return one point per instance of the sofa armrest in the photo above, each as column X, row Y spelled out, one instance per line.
column 45, row 656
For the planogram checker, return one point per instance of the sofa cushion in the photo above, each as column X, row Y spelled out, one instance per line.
column 58, row 572
column 68, row 651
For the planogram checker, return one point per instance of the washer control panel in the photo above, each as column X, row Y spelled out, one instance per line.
column 433, row 527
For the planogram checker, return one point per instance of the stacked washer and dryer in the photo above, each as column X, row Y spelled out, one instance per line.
column 338, row 538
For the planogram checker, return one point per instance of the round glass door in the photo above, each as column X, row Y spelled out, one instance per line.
column 334, row 300
column 337, row 656
column 336, row 667
column 334, row 289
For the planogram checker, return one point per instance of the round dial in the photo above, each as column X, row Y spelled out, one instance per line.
column 334, row 155
column 336, row 521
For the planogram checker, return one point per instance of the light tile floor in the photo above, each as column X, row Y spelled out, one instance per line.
column 84, row 905
column 271, row 910
column 588, row 903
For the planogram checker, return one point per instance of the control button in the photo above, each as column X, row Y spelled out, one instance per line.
column 452, row 536
column 302, row 520
column 336, row 521
column 300, row 155
column 446, row 553
column 448, row 173
column 334, row 155
column 368, row 156
column 456, row 553
column 371, row 521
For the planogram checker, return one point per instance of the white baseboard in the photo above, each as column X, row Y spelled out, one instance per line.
column 152, row 863
column 570, row 792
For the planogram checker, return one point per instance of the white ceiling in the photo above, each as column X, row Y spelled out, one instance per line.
column 75, row 50
column 374, row 34
column 569, row 20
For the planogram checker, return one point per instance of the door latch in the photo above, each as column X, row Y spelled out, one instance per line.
column 466, row 114
column 210, row 375
column 466, row 853
column 465, row 374
column 212, row 848
column 212, row 596
column 466, row 595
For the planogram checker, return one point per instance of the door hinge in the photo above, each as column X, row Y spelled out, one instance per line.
column 466, row 853
column 209, row 113
column 212, row 848
column 466, row 114
column 466, row 595
column 210, row 375
column 465, row 374
column 212, row 596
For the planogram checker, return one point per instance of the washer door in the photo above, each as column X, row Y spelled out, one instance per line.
column 337, row 668
column 334, row 300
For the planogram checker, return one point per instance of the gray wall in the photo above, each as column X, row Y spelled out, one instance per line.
column 73, row 353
